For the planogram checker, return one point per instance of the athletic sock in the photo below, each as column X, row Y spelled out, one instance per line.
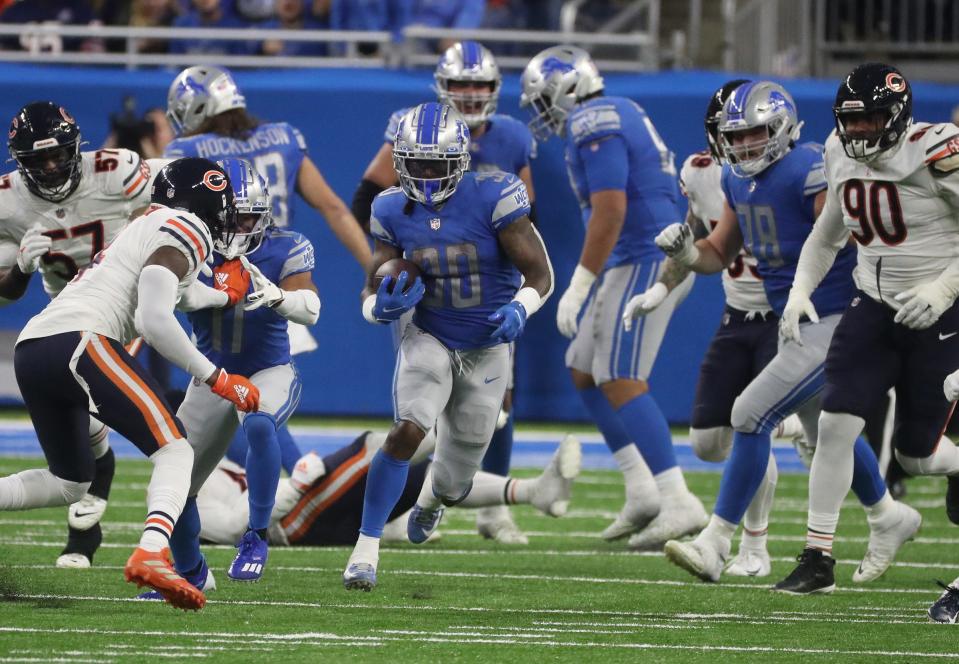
column 867, row 481
column 881, row 512
column 636, row 476
column 647, row 427
column 366, row 549
column 426, row 498
column 500, row 450
column 756, row 519
column 262, row 467
column 671, row 485
column 166, row 493
column 103, row 477
column 744, row 472
column 185, row 541
column 384, row 486
column 289, row 451
column 606, row 419
column 488, row 490
column 239, row 448
column 718, row 532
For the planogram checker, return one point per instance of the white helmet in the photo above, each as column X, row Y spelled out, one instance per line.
column 554, row 81
column 252, row 197
column 469, row 61
column 199, row 93
column 758, row 104
column 431, row 152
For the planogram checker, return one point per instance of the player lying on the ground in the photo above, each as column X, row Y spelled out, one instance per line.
column 252, row 339
column 744, row 344
column 774, row 188
column 625, row 179
column 321, row 504
column 70, row 363
column 470, row 237
column 58, row 209
column 894, row 187
column 468, row 79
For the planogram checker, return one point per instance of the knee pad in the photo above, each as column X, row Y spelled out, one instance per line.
column 73, row 491
column 449, row 489
column 918, row 466
column 744, row 418
column 712, row 444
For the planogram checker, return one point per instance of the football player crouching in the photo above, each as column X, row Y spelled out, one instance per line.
column 250, row 337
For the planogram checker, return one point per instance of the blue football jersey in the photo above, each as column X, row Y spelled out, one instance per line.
column 276, row 150
column 507, row 144
column 611, row 144
column 245, row 342
column 776, row 212
column 467, row 274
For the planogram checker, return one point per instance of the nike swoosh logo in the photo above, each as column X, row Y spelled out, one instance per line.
column 130, row 159
column 938, row 131
column 490, row 380
column 943, row 337
column 389, row 311
column 80, row 515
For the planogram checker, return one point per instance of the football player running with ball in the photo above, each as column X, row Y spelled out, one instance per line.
column 894, row 187
column 773, row 189
column 625, row 179
column 468, row 233
column 70, row 363
column 745, row 342
column 58, row 210
column 468, row 79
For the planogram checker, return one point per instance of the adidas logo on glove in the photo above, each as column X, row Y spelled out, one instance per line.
column 221, row 278
column 241, row 391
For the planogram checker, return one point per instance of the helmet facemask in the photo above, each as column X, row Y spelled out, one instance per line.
column 752, row 157
column 52, row 173
column 866, row 144
column 429, row 178
column 476, row 105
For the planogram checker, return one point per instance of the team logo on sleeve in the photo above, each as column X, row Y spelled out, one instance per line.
column 214, row 180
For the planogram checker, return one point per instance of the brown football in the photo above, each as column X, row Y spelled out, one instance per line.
column 392, row 268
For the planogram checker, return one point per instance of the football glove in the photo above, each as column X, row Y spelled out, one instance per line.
column 264, row 290
column 238, row 390
column 676, row 241
column 797, row 306
column 389, row 306
column 572, row 301
column 33, row 245
column 642, row 304
column 922, row 305
column 950, row 386
column 230, row 278
column 511, row 318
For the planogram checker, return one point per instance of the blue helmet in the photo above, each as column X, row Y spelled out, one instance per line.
column 252, row 198
column 431, row 152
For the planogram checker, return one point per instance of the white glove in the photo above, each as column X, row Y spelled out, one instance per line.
column 923, row 305
column 572, row 301
column 264, row 290
column 676, row 241
column 642, row 304
column 950, row 386
column 33, row 245
column 797, row 306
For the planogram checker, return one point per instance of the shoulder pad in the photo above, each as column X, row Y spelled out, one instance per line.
column 941, row 143
column 179, row 147
column 393, row 124
column 593, row 122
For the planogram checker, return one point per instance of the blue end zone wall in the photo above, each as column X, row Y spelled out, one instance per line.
column 343, row 114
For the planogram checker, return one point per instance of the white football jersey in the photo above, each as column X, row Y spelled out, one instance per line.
column 903, row 210
column 103, row 298
column 700, row 181
column 113, row 183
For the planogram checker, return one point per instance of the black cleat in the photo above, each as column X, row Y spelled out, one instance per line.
column 952, row 498
column 814, row 574
column 946, row 608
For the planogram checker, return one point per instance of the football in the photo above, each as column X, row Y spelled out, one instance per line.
column 393, row 268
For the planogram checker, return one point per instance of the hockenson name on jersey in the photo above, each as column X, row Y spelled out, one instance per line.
column 218, row 147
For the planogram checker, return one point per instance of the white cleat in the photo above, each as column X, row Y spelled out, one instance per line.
column 86, row 513
column 700, row 559
column 496, row 523
column 634, row 516
column 555, row 486
column 885, row 543
column 750, row 562
column 73, row 561
column 686, row 516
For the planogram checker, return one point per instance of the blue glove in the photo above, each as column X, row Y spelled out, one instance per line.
column 511, row 318
column 390, row 306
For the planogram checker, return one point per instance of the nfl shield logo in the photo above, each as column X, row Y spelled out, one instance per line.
column 435, row 224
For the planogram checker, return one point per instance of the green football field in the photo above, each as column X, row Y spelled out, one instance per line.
column 567, row 597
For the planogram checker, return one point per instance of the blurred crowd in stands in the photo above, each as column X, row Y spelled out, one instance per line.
column 384, row 15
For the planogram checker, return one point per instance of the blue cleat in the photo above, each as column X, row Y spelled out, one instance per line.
column 250, row 560
column 423, row 523
column 360, row 576
column 201, row 580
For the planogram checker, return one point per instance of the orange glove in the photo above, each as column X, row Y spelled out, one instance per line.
column 232, row 279
column 234, row 387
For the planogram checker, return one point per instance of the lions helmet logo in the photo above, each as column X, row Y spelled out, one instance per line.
column 895, row 82
column 214, row 180
column 553, row 64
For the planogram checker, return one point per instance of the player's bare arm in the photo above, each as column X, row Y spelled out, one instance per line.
column 314, row 189
column 13, row 283
column 675, row 273
column 525, row 249
column 603, row 228
column 718, row 249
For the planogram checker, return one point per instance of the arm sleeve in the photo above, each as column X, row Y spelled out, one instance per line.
column 198, row 296
column 828, row 236
column 154, row 320
column 606, row 163
column 512, row 203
